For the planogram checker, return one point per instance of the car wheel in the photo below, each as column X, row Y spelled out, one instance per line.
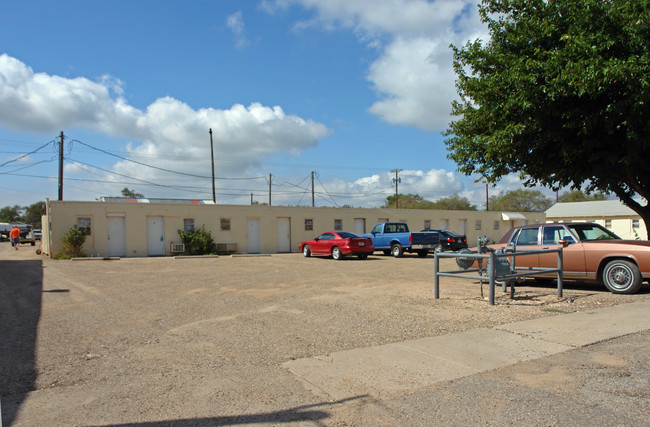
column 363, row 256
column 336, row 253
column 622, row 277
column 422, row 254
column 306, row 252
column 397, row 250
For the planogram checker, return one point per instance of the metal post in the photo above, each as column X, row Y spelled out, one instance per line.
column 560, row 266
column 270, row 178
column 214, row 194
column 490, row 272
column 436, row 279
column 61, row 168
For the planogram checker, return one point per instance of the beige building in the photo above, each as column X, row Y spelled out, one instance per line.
column 611, row 214
column 128, row 227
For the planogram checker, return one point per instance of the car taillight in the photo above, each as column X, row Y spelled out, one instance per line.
column 450, row 240
column 410, row 238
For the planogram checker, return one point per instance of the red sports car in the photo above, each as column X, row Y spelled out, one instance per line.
column 338, row 244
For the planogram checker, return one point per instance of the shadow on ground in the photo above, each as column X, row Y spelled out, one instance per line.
column 21, row 288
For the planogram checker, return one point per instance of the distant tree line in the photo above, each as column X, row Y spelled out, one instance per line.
column 26, row 214
column 522, row 200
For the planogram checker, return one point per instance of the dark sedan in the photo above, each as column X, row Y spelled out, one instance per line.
column 449, row 241
column 338, row 245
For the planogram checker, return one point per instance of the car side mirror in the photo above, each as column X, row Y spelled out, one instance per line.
column 316, row 239
column 563, row 242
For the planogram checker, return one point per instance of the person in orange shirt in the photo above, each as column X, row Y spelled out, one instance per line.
column 15, row 237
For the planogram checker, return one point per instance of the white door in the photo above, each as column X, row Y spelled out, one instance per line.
column 462, row 227
column 253, row 237
column 155, row 236
column 116, row 236
column 359, row 226
column 284, row 235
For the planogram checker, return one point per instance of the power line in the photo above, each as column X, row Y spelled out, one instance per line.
column 26, row 154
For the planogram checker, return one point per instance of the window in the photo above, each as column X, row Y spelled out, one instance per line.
column 188, row 224
column 608, row 223
column 635, row 223
column 478, row 224
column 84, row 225
column 444, row 224
column 527, row 237
column 427, row 224
column 225, row 224
column 309, row 224
column 338, row 225
column 326, row 236
column 496, row 225
column 553, row 234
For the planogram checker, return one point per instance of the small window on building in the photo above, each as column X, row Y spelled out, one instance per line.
column 427, row 224
column 478, row 224
column 496, row 225
column 188, row 225
column 309, row 224
column 225, row 224
column 338, row 225
column 635, row 223
column 444, row 224
column 608, row 224
column 84, row 225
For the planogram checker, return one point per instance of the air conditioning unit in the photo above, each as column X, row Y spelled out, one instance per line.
column 177, row 248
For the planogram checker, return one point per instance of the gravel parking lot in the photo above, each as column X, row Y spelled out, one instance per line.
column 167, row 341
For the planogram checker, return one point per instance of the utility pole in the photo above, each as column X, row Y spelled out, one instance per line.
column 487, row 199
column 61, row 168
column 396, row 180
column 214, row 194
column 312, row 190
column 251, row 199
column 270, row 189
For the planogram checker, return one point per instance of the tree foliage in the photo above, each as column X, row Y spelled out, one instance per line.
column 580, row 196
column 454, row 203
column 73, row 240
column 560, row 93
column 11, row 213
column 33, row 214
column 130, row 193
column 198, row 242
column 522, row 200
column 415, row 201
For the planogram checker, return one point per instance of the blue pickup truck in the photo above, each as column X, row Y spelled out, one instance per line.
column 395, row 238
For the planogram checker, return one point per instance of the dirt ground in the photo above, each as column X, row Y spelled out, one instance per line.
column 163, row 341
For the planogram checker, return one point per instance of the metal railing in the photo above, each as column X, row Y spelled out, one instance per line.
column 491, row 275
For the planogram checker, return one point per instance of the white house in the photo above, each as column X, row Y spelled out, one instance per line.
column 612, row 214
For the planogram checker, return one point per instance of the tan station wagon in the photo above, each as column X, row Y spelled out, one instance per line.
column 590, row 253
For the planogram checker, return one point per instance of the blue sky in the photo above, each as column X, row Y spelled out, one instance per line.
column 350, row 90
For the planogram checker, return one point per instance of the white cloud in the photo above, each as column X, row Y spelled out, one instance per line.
column 413, row 75
column 235, row 23
column 167, row 130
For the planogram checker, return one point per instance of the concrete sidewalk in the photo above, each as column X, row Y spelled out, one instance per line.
column 400, row 368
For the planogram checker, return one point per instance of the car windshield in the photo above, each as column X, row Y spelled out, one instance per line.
column 346, row 235
column 586, row 232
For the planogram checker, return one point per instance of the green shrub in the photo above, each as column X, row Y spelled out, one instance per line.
column 198, row 242
column 73, row 240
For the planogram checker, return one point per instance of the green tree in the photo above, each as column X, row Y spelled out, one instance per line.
column 454, row 203
column 130, row 193
column 408, row 201
column 560, row 94
column 580, row 196
column 11, row 214
column 33, row 214
column 522, row 200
